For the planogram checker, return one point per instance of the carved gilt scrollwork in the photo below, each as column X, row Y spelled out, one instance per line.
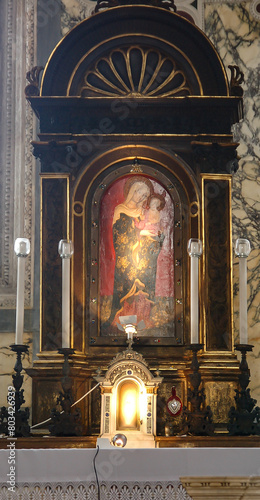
column 128, row 355
column 105, row 4
column 121, row 370
column 33, row 77
column 237, row 77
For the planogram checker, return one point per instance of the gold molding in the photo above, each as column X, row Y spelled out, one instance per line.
column 172, row 157
column 227, row 98
column 212, row 487
column 152, row 136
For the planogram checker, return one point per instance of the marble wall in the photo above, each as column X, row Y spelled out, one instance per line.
column 17, row 179
column 236, row 35
column 74, row 11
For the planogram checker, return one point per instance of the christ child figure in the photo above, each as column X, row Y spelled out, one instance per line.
column 151, row 226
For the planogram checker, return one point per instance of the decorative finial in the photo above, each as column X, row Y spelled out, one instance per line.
column 136, row 167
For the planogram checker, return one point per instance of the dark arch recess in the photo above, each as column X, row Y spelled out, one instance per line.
column 163, row 26
column 115, row 163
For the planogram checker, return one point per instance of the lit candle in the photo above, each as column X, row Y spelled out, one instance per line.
column 66, row 251
column 242, row 250
column 22, row 249
column 195, row 251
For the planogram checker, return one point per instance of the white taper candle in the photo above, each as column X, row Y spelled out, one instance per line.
column 195, row 251
column 66, row 251
column 242, row 250
column 22, row 249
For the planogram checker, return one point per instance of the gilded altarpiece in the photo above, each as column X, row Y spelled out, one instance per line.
column 135, row 130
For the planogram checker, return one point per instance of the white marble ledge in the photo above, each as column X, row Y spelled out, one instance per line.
column 130, row 465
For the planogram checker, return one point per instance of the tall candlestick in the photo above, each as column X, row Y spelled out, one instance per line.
column 195, row 251
column 66, row 250
column 242, row 250
column 22, row 249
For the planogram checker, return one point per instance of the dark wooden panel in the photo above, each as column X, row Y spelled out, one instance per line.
column 54, row 228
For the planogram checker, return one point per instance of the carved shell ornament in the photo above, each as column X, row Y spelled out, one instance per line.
column 135, row 72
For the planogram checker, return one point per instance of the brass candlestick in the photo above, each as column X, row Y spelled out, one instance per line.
column 244, row 419
column 198, row 420
column 14, row 420
column 66, row 422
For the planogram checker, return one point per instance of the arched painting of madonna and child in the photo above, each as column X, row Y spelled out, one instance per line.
column 136, row 256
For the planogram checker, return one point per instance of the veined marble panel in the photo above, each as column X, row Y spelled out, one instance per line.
column 236, row 35
column 16, row 170
column 254, row 6
column 75, row 11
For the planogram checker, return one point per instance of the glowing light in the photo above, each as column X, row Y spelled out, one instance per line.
column 128, row 405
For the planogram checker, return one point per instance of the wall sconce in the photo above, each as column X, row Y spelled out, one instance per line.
column 119, row 440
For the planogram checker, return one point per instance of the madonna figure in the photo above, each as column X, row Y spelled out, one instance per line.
column 136, row 252
column 138, row 236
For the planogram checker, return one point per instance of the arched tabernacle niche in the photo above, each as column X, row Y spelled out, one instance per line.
column 128, row 405
column 120, row 269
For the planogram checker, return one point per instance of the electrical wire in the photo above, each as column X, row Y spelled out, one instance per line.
column 96, row 474
column 87, row 393
column 49, row 419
